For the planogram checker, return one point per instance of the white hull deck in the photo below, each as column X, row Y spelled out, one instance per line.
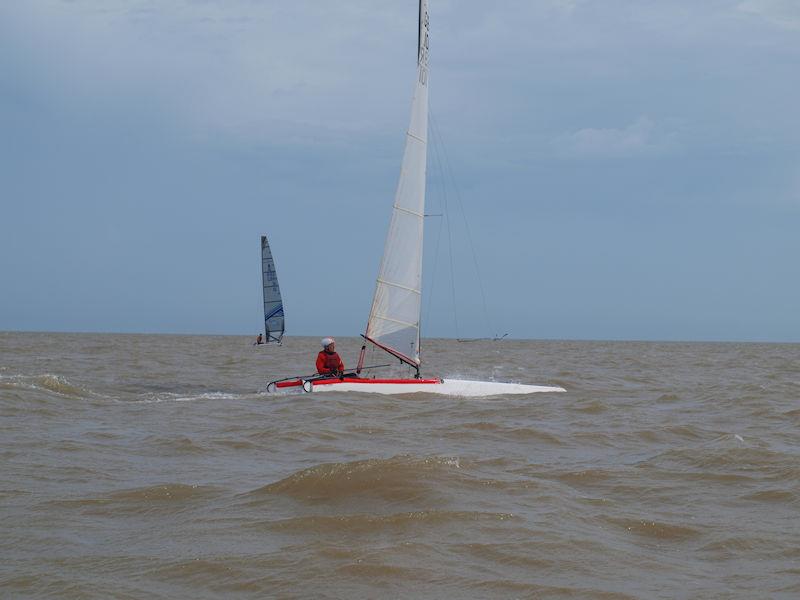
column 446, row 387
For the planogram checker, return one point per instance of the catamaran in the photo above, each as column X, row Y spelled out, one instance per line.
column 394, row 319
column 274, row 325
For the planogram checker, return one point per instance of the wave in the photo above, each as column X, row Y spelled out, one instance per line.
column 158, row 398
column 59, row 385
column 594, row 407
column 668, row 399
column 372, row 571
column 176, row 445
column 168, row 497
column 235, row 444
column 585, row 477
column 686, row 431
column 397, row 478
column 736, row 461
column 48, row 382
column 363, row 523
column 737, row 545
column 795, row 413
column 171, row 492
column 200, row 570
column 514, row 433
column 518, row 589
column 522, row 555
column 657, row 530
column 779, row 496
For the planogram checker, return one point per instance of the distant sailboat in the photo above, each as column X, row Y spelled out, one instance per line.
column 274, row 325
column 497, row 338
column 394, row 319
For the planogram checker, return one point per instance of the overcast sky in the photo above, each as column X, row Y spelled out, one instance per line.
column 628, row 169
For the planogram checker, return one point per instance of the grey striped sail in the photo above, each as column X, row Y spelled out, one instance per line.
column 273, row 304
column 394, row 317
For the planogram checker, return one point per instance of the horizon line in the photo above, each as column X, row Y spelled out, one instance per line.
column 509, row 338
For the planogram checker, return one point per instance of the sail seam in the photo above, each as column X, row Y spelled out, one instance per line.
column 397, row 285
column 406, row 323
column 411, row 212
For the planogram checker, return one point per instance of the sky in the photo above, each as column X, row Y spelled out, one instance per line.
column 616, row 169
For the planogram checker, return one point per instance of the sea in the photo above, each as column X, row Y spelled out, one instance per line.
column 157, row 466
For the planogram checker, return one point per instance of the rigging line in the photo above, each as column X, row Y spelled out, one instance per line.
column 437, row 134
column 433, row 273
column 452, row 271
column 442, row 192
column 446, row 212
column 436, row 165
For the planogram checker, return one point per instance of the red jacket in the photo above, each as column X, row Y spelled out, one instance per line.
column 327, row 363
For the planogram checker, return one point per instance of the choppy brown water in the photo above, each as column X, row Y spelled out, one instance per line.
column 150, row 466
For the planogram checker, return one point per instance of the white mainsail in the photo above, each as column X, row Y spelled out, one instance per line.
column 394, row 318
column 273, row 304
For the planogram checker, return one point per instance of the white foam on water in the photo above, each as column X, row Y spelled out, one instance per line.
column 46, row 382
column 209, row 396
column 172, row 397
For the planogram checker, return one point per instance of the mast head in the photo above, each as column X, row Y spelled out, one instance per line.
column 422, row 37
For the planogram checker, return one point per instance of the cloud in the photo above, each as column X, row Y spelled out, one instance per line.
column 641, row 137
column 250, row 71
column 320, row 73
column 783, row 13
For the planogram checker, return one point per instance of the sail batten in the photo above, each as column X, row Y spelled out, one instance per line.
column 274, row 322
column 394, row 318
column 385, row 318
column 399, row 285
column 410, row 212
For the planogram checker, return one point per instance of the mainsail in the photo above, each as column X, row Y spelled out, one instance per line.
column 273, row 304
column 394, row 318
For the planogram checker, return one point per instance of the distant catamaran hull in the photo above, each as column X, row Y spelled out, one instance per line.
column 447, row 387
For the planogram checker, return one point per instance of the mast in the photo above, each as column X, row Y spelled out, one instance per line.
column 394, row 317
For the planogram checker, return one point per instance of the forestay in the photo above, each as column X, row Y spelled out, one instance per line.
column 394, row 318
column 273, row 304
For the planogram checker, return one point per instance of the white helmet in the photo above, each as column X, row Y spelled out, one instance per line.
column 327, row 342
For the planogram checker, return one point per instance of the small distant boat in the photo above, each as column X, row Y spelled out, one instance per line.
column 274, row 322
column 394, row 319
column 496, row 338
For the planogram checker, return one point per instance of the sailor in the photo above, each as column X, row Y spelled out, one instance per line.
column 328, row 361
column 259, row 340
